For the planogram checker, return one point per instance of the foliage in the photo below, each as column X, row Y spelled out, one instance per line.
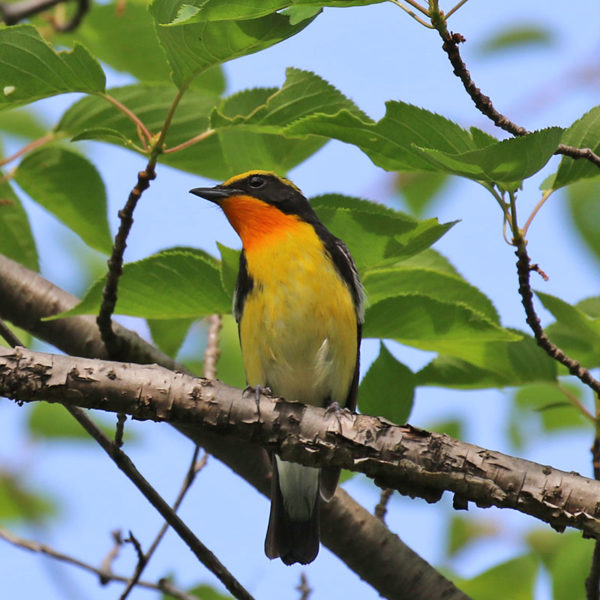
column 173, row 52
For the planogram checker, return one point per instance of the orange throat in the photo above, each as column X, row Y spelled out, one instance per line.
column 256, row 221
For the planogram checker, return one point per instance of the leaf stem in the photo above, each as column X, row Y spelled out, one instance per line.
column 47, row 137
column 143, row 132
column 534, row 212
column 190, row 142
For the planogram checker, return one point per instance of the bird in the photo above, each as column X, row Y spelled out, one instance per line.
column 299, row 306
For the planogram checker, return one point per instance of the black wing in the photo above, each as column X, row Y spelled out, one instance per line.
column 243, row 287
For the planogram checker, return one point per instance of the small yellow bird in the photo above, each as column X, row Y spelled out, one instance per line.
column 299, row 308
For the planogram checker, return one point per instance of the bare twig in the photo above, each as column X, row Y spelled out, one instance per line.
column 204, row 555
column 121, row 418
column 106, row 564
column 212, row 352
column 104, row 574
column 194, row 468
column 484, row 103
column 82, row 8
column 303, row 587
column 115, row 264
column 574, row 367
column 13, row 13
column 11, row 339
column 381, row 507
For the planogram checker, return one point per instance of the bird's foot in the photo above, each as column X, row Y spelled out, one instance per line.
column 257, row 390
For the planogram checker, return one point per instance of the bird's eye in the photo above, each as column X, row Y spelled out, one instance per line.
column 256, row 181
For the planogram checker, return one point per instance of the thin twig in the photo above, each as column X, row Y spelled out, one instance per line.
column 303, row 587
column 484, row 103
column 83, row 7
column 13, row 13
column 190, row 142
column 106, row 564
column 212, row 352
column 121, row 418
column 115, row 263
column 381, row 507
column 412, row 14
column 143, row 132
column 11, row 339
column 104, row 574
column 204, row 555
column 47, row 137
column 194, row 468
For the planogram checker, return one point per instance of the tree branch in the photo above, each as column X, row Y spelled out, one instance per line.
column 412, row 461
column 105, row 575
column 371, row 550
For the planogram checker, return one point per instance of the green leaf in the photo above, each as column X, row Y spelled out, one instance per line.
column 193, row 48
column 177, row 283
column 16, row 239
column 203, row 591
column 431, row 259
column 445, row 327
column 590, row 306
column 545, row 405
column 19, row 503
column 453, row 428
column 403, row 280
column 584, row 207
column 507, row 162
column 583, row 133
column 420, row 190
column 230, row 262
column 220, row 154
column 376, row 235
column 490, row 365
column 22, row 123
column 517, row 37
column 388, row 388
column 391, row 142
column 169, row 334
column 463, row 531
column 574, row 332
column 52, row 423
column 567, row 557
column 269, row 110
column 70, row 187
column 512, row 579
column 231, row 365
column 30, row 69
column 225, row 10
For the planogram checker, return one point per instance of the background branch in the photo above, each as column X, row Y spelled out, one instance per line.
column 376, row 554
column 409, row 460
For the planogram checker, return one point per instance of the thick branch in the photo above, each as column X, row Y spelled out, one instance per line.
column 409, row 460
column 372, row 551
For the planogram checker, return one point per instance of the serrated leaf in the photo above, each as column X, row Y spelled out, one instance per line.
column 584, row 207
column 69, row 186
column 217, row 156
column 30, row 69
column 390, row 143
column 146, row 288
column 19, row 503
column 193, row 48
column 507, row 162
column 401, row 280
column 512, row 579
column 388, row 388
column 302, row 94
column 428, row 324
column 583, row 133
column 16, row 239
column 225, row 10
column 490, row 365
column 169, row 334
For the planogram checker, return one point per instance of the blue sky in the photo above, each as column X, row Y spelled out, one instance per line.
column 371, row 54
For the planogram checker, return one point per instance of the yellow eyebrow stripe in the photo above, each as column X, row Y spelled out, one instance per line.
column 247, row 174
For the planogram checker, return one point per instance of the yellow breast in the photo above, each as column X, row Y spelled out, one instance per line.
column 298, row 329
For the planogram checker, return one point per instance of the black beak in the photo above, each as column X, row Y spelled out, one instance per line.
column 214, row 194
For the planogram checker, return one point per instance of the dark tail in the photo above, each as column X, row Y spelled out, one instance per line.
column 294, row 541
